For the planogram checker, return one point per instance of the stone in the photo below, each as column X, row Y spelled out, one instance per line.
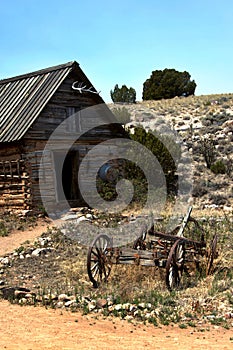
column 63, row 297
column 23, row 301
column 89, row 216
column 82, row 218
column 118, row 307
column 5, row 261
column 91, row 305
column 126, row 306
column 70, row 303
column 60, row 305
column 101, row 303
column 39, row 251
column 69, row 217
column 128, row 318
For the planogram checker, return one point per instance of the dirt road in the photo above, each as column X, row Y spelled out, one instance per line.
column 39, row 328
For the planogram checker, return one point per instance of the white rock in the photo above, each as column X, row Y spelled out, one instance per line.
column 128, row 318
column 82, row 218
column 69, row 217
column 118, row 307
column 5, row 261
column 63, row 297
column 89, row 216
column 91, row 305
column 60, row 305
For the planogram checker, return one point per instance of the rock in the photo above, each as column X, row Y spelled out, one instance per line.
column 71, row 303
column 111, row 308
column 128, row 318
column 39, row 251
column 89, row 216
column 101, row 303
column 82, row 218
column 142, row 306
column 91, row 305
column 44, row 241
column 126, row 306
column 69, row 217
column 23, row 301
column 63, row 297
column 226, row 208
column 5, row 261
column 118, row 307
column 60, row 305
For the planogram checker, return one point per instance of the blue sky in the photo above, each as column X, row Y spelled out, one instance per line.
column 121, row 42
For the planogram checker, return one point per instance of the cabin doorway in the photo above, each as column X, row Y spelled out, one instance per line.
column 67, row 176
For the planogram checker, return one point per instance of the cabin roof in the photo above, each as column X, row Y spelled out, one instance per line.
column 23, row 97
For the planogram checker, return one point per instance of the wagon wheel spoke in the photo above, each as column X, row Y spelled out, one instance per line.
column 212, row 255
column 99, row 259
column 175, row 265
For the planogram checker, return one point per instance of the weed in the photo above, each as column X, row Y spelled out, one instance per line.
column 183, row 326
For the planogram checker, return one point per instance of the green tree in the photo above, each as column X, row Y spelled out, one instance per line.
column 168, row 83
column 123, row 94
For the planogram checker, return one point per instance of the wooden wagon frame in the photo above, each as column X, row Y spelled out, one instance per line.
column 172, row 251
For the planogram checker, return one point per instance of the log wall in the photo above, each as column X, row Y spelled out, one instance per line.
column 15, row 186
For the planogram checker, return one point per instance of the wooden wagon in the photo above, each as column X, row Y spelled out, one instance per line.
column 172, row 251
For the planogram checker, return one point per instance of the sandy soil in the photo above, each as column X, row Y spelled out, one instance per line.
column 31, row 327
column 40, row 328
column 13, row 241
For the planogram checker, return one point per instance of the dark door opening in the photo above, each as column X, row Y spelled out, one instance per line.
column 70, row 176
column 67, row 176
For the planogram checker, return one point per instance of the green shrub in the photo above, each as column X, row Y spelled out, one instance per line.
column 218, row 167
column 207, row 149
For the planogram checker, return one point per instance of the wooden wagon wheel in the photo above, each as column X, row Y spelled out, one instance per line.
column 99, row 259
column 175, row 265
column 212, row 254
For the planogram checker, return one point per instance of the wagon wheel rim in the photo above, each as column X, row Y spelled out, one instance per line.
column 99, row 259
column 212, row 255
column 175, row 265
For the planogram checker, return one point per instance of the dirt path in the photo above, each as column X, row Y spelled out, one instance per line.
column 13, row 241
column 37, row 328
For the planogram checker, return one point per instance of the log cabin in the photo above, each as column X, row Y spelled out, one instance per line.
column 33, row 107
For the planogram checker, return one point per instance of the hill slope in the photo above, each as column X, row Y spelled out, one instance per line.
column 196, row 119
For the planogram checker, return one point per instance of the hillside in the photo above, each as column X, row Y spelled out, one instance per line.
column 196, row 119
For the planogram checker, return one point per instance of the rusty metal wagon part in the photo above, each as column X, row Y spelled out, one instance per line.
column 171, row 251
